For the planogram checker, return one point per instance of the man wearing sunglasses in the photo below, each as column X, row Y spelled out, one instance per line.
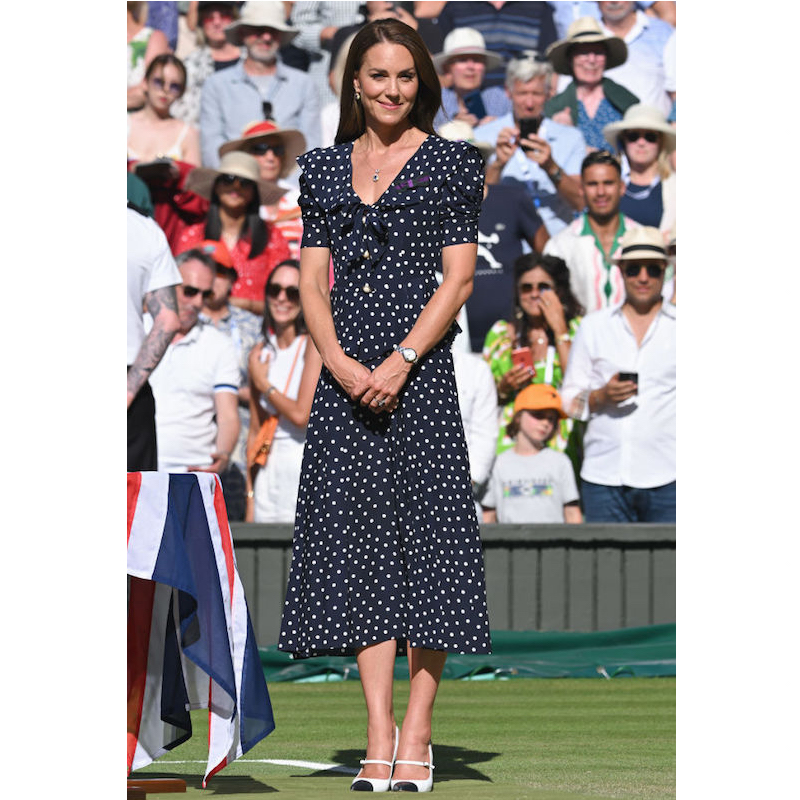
column 196, row 384
column 621, row 380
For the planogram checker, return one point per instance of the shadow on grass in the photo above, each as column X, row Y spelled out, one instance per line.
column 452, row 763
column 218, row 784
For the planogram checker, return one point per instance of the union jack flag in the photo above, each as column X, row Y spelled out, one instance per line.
column 190, row 639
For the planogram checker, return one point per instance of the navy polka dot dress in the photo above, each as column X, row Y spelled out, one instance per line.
column 386, row 540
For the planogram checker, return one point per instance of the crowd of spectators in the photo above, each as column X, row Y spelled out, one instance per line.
column 566, row 361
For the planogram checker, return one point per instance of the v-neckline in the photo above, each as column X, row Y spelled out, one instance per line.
column 392, row 181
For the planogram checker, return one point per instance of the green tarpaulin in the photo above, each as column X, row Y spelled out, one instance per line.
column 640, row 652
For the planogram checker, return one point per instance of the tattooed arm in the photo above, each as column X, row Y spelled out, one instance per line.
column 163, row 308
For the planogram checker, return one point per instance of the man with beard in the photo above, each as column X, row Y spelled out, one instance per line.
column 621, row 380
column 588, row 243
column 260, row 86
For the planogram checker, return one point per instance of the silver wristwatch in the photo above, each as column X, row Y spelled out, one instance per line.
column 408, row 353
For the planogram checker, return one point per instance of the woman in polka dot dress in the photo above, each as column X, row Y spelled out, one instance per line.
column 387, row 555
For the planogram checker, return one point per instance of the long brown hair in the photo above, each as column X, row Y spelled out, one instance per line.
column 429, row 95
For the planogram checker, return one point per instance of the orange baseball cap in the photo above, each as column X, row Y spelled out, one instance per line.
column 539, row 397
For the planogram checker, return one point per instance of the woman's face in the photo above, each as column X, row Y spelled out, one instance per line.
column 164, row 86
column 467, row 71
column 282, row 309
column 532, row 287
column 640, row 151
column 214, row 24
column 588, row 62
column 235, row 194
column 388, row 82
column 269, row 153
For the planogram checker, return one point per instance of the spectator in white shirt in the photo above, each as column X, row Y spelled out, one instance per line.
column 621, row 378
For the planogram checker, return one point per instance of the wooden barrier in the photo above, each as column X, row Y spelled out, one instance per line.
column 538, row 577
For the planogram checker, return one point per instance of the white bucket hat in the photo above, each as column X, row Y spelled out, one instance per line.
column 459, row 131
column 641, row 117
column 201, row 179
column 262, row 130
column 582, row 30
column 261, row 14
column 465, row 42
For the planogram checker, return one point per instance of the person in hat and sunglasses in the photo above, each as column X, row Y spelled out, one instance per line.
column 276, row 150
column 621, row 380
column 236, row 192
column 260, row 86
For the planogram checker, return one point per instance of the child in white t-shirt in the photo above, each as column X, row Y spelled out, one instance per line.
column 532, row 482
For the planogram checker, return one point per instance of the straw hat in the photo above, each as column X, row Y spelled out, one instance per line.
column 643, row 242
column 459, row 131
column 585, row 29
column 261, row 14
column 293, row 140
column 201, row 179
column 539, row 397
column 465, row 42
column 641, row 117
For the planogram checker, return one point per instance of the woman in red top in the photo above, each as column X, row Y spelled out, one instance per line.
column 235, row 192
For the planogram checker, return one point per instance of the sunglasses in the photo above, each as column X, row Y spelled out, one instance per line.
column 228, row 180
column 193, row 291
column 266, row 109
column 262, row 148
column 527, row 288
column 633, row 270
column 173, row 88
column 634, row 136
column 274, row 290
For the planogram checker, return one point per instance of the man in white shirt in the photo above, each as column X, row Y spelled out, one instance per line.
column 621, row 378
column 196, row 384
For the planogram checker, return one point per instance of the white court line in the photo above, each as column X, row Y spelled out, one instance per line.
column 278, row 762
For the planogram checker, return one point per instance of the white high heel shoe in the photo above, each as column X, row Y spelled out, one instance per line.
column 408, row 785
column 360, row 784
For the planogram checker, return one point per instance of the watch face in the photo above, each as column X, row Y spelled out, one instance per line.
column 409, row 354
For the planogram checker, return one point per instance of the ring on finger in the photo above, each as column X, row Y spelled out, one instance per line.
column 381, row 402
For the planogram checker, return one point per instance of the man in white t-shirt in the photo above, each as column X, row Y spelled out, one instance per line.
column 196, row 384
column 152, row 277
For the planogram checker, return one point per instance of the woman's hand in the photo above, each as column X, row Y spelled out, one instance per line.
column 351, row 375
column 513, row 380
column 553, row 313
column 384, row 384
column 259, row 371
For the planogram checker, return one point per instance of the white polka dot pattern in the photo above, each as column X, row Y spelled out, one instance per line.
column 387, row 544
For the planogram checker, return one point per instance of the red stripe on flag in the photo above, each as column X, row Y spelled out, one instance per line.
column 140, row 615
column 226, row 538
column 134, row 483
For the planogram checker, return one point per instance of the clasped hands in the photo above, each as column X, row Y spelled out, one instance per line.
column 376, row 389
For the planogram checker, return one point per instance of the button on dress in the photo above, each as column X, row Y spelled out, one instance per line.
column 386, row 540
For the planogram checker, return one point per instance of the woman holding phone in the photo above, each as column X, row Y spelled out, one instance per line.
column 534, row 346
column 387, row 556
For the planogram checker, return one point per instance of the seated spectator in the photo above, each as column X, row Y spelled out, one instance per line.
column 589, row 243
column 215, row 53
column 144, row 44
column 534, row 346
column 566, row 12
column 464, row 62
column 509, row 29
column 508, row 226
column 591, row 101
column 276, row 149
column 260, row 86
column 532, row 483
column 621, row 380
column 152, row 131
column 244, row 329
column 477, row 401
column 644, row 72
column 645, row 139
column 283, row 369
column 195, row 385
column 236, row 192
column 546, row 160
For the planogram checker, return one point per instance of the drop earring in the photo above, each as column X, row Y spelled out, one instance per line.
column 358, row 96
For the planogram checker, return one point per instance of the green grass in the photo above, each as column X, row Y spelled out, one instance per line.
column 537, row 739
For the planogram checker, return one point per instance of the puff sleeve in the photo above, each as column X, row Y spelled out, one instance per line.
column 462, row 195
column 315, row 228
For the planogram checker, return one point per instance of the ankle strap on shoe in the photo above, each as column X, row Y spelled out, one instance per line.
column 415, row 763
column 375, row 761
